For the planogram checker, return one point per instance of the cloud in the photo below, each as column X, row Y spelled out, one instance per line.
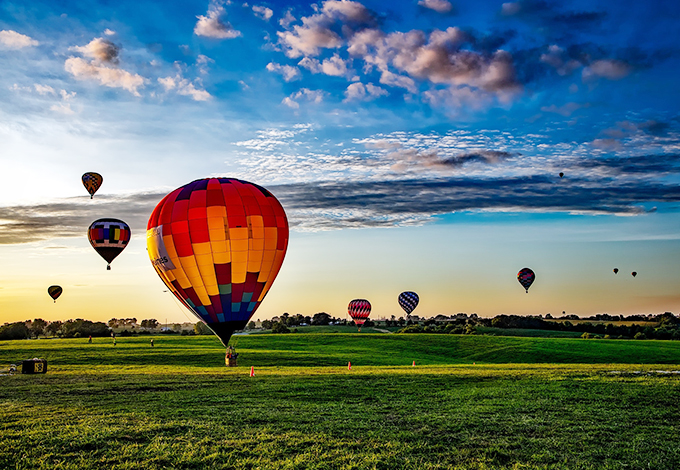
column 107, row 76
column 550, row 20
column 609, row 69
column 334, row 66
column 211, row 26
column 565, row 110
column 14, row 41
column 287, row 19
column 556, row 58
column 288, row 72
column 263, row 12
column 184, row 87
column 326, row 29
column 314, row 96
column 101, row 50
column 359, row 92
column 352, row 203
column 440, row 6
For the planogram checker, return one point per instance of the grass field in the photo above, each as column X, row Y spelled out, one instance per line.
column 526, row 403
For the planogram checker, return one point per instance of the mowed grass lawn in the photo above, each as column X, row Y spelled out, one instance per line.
column 525, row 403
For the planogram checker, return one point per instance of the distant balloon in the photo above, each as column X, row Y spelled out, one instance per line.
column 359, row 310
column 634, row 273
column 526, row 277
column 55, row 292
column 616, row 270
column 108, row 237
column 561, row 175
column 92, row 181
column 218, row 244
column 408, row 301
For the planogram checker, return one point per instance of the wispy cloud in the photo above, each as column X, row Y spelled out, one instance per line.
column 440, row 6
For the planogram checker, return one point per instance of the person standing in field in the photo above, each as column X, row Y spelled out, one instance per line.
column 90, row 339
column 152, row 342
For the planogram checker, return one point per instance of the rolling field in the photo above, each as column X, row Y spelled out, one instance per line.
column 526, row 403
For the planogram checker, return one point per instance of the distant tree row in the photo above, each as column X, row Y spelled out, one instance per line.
column 68, row 329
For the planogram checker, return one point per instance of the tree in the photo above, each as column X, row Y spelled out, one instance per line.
column 280, row 328
column 53, row 328
column 251, row 325
column 113, row 323
column 321, row 318
column 37, row 327
column 202, row 329
column 267, row 324
column 17, row 330
column 151, row 324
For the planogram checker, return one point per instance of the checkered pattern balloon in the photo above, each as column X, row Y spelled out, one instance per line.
column 526, row 277
column 109, row 237
column 218, row 244
column 359, row 310
column 92, row 181
column 408, row 301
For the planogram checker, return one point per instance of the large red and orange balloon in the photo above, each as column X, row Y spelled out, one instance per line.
column 359, row 310
column 218, row 244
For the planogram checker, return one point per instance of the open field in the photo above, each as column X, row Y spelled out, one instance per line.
column 526, row 403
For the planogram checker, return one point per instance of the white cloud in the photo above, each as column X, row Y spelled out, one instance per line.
column 313, row 65
column 287, row 19
column 12, row 40
column 360, row 92
column 511, row 8
column 334, row 66
column 401, row 81
column 109, row 32
column 107, row 76
column 314, row 96
column 184, row 87
column 263, row 12
column 288, row 72
column 101, row 50
column 440, row 6
column 290, row 103
column 211, row 26
column 44, row 89
column 555, row 57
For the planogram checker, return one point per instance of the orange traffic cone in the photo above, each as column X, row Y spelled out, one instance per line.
column 349, row 366
column 252, row 371
column 414, row 363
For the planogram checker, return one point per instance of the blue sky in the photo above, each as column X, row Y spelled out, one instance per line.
column 429, row 131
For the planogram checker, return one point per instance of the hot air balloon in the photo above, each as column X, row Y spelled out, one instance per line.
column 109, row 237
column 92, row 181
column 218, row 244
column 359, row 310
column 408, row 301
column 526, row 277
column 561, row 175
column 634, row 273
column 55, row 292
column 616, row 270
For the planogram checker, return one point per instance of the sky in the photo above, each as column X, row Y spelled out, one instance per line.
column 415, row 145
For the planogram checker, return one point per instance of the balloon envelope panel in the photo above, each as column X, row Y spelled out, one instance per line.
column 526, row 277
column 359, row 310
column 218, row 244
column 92, row 181
column 408, row 301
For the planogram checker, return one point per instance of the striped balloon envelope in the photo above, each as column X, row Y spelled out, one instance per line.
column 92, row 181
column 109, row 237
column 54, row 292
column 408, row 301
column 526, row 277
column 218, row 244
column 359, row 310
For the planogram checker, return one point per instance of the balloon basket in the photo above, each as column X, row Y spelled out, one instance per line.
column 108, row 268
column 230, row 362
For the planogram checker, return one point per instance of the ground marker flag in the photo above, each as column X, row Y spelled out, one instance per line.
column 252, row 371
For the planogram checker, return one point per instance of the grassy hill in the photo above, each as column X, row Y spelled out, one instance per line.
column 526, row 403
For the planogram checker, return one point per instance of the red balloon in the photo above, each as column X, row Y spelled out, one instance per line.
column 359, row 310
column 218, row 244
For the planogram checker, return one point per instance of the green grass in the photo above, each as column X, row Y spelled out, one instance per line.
column 489, row 330
column 525, row 404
